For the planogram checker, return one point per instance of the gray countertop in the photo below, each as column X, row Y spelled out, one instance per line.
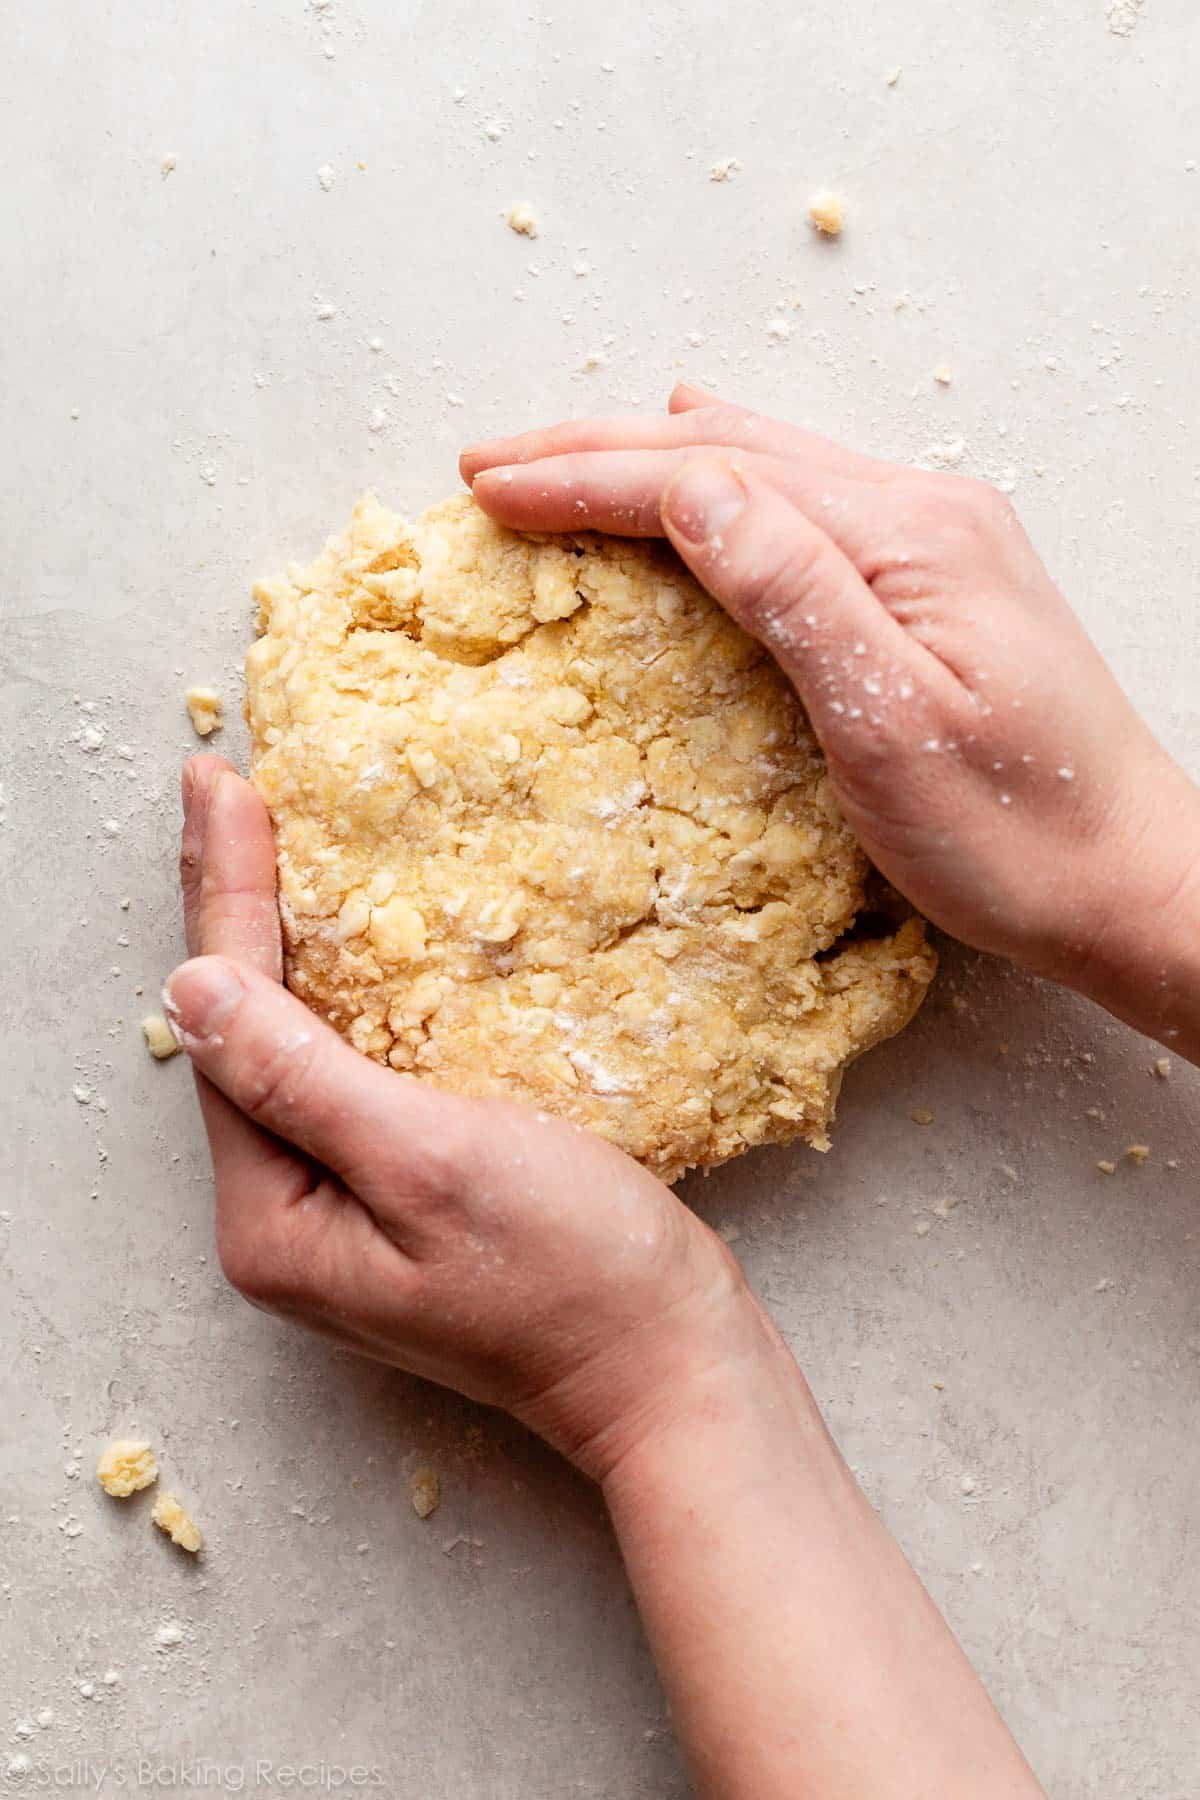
column 185, row 411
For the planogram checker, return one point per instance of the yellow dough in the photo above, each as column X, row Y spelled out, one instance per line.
column 126, row 1467
column 170, row 1516
column 550, row 826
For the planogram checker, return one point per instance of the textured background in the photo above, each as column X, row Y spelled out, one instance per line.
column 180, row 418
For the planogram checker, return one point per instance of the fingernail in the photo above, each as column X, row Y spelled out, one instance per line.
column 703, row 500
column 200, row 998
column 484, row 452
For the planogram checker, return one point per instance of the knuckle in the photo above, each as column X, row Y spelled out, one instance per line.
column 779, row 588
column 735, row 425
column 261, row 1264
column 244, row 1264
column 987, row 504
column 276, row 1080
column 189, row 869
column 947, row 517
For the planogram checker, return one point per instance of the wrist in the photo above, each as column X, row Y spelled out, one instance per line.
column 1137, row 952
column 733, row 1421
column 686, row 1362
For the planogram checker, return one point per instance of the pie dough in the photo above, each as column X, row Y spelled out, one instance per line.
column 550, row 826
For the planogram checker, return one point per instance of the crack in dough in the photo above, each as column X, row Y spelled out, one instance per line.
column 551, row 827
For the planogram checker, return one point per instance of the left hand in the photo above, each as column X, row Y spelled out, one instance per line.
column 514, row 1257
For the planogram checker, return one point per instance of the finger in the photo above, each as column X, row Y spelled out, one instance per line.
column 786, row 582
column 621, row 491
column 732, row 426
column 687, row 397
column 246, row 1160
column 693, row 409
column 196, row 784
column 235, row 910
column 287, row 1071
column 716, row 424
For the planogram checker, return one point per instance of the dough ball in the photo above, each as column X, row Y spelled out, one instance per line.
column 551, row 827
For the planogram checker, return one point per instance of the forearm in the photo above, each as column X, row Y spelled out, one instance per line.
column 800, row 1653
column 1144, row 965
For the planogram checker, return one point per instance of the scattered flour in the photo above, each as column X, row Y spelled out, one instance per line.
column 1123, row 16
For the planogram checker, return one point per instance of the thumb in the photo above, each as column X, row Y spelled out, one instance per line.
column 289, row 1072
column 788, row 584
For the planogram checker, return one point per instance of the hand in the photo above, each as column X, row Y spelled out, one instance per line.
column 980, row 748
column 492, row 1249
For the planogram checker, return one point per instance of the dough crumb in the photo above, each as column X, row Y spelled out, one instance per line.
column 326, row 177
column 178, row 1524
column 943, row 375
column 921, row 1115
column 160, row 1040
column 1138, row 1153
column 1106, row 1167
column 125, row 1467
column 168, row 1636
column 893, row 76
column 723, row 170
column 168, row 165
column 827, row 212
column 1162, row 1068
column 425, row 1492
column 523, row 220
column 205, row 708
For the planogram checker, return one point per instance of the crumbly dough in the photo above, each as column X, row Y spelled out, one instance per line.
column 125, row 1467
column 828, row 213
column 550, row 826
column 161, row 1041
column 205, row 709
column 178, row 1524
column 523, row 220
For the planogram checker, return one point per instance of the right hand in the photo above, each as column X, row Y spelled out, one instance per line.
column 981, row 750
column 485, row 1246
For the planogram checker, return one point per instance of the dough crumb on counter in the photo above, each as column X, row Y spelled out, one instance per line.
column 170, row 1516
column 725, row 169
column 1106, row 1167
column 1162, row 1068
column 1138, row 1153
column 425, row 1492
column 125, row 1467
column 160, row 1039
column 205, row 708
column 523, row 220
column 827, row 212
column 921, row 1115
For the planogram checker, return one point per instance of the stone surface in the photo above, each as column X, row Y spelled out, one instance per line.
column 204, row 364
